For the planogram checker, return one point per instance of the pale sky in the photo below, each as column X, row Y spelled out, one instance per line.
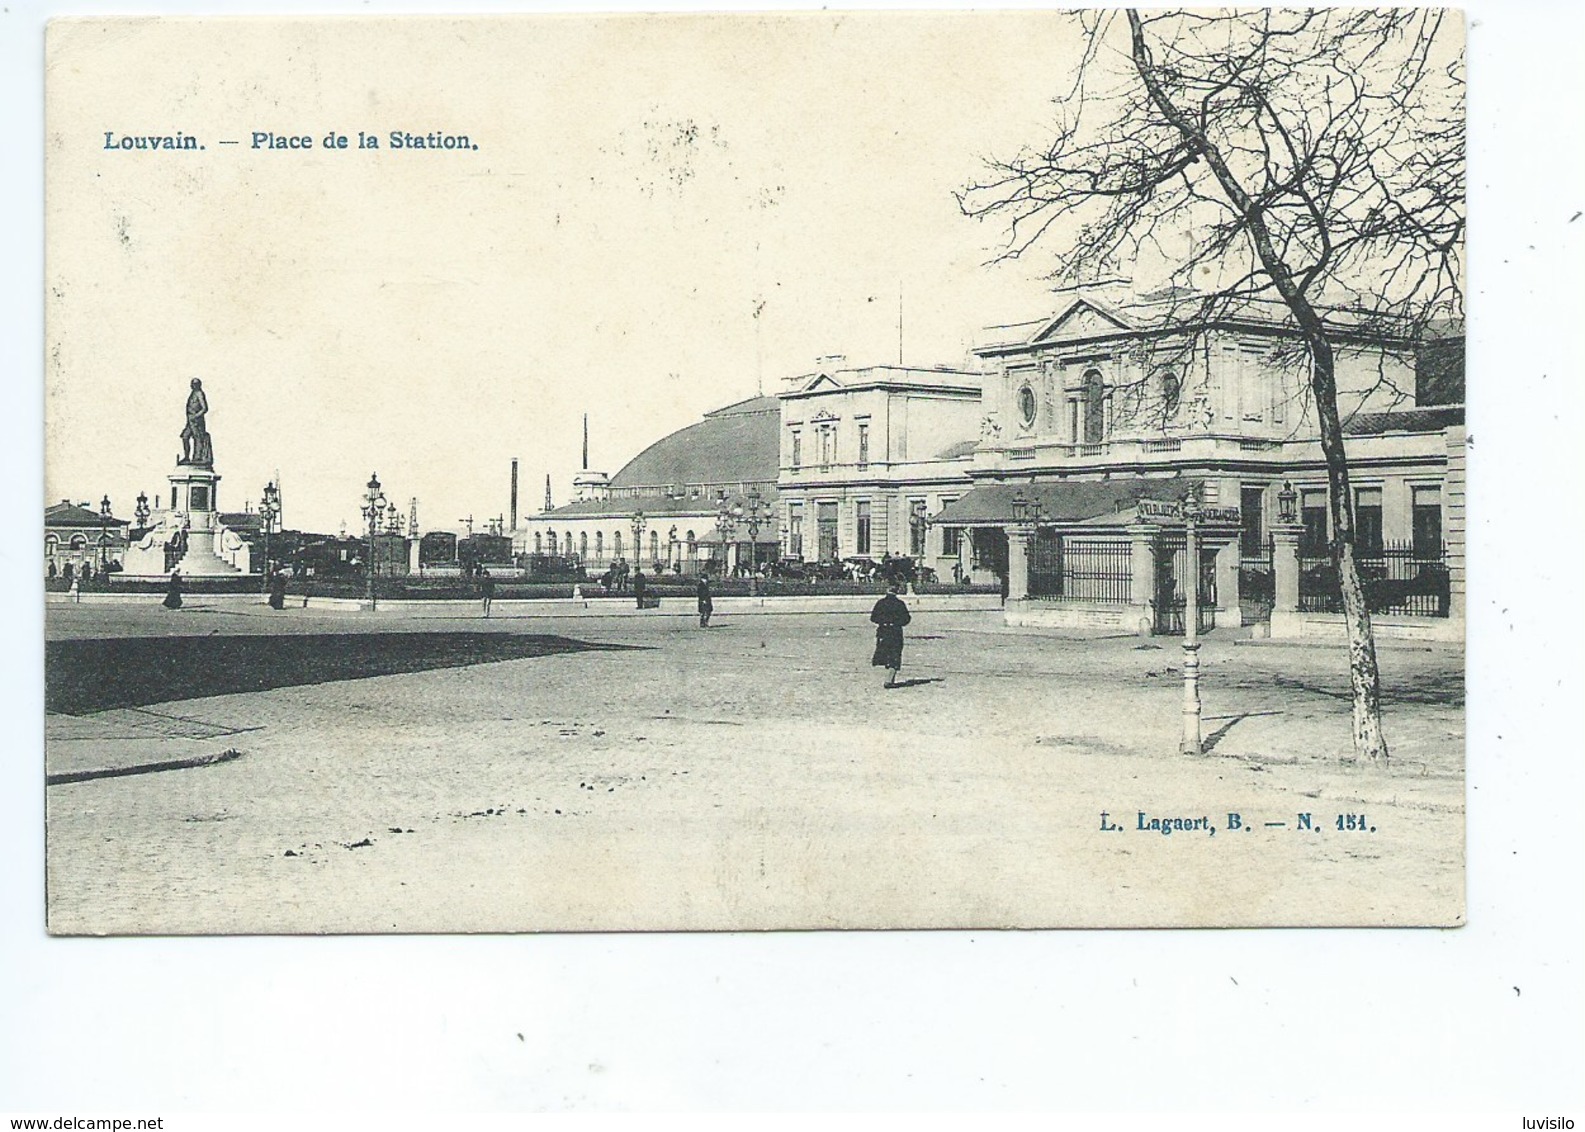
column 641, row 183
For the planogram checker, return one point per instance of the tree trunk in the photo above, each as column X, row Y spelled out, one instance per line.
column 1364, row 677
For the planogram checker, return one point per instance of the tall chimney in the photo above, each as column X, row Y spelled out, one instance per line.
column 514, row 493
column 586, row 442
column 547, row 492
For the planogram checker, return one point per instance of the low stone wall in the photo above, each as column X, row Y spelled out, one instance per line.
column 1331, row 627
column 1035, row 614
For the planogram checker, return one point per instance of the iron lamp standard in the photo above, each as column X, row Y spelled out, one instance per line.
column 755, row 515
column 373, row 509
column 638, row 523
column 1192, row 744
column 725, row 527
column 104, row 534
column 269, row 514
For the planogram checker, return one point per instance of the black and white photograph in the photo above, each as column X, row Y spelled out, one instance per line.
column 734, row 559
column 682, row 494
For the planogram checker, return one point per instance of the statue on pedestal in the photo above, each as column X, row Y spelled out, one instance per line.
column 196, row 445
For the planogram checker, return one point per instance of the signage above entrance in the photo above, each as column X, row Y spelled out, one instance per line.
column 1160, row 511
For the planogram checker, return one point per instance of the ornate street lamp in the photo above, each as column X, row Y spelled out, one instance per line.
column 269, row 515
column 1191, row 744
column 725, row 526
column 755, row 515
column 1286, row 500
column 638, row 523
column 104, row 532
column 373, row 509
column 141, row 511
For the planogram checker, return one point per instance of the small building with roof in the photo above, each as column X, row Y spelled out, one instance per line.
column 79, row 539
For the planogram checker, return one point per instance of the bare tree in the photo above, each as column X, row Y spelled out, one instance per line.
column 1310, row 158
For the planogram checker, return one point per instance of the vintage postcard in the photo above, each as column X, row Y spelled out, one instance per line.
column 779, row 471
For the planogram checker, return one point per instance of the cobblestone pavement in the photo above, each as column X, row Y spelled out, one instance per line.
column 753, row 775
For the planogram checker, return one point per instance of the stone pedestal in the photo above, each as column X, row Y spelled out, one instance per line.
column 1142, row 585
column 1229, row 607
column 194, row 507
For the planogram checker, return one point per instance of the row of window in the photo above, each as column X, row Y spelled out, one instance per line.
column 549, row 542
column 863, row 529
column 1425, row 519
column 826, row 439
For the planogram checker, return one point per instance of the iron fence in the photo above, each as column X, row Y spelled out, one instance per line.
column 1075, row 569
column 1397, row 580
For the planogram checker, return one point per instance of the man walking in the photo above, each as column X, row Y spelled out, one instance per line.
column 486, row 589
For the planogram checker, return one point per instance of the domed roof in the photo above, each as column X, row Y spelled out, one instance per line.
column 737, row 444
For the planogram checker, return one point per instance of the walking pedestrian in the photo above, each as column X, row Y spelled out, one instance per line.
column 639, row 586
column 889, row 615
column 486, row 589
column 706, row 605
column 277, row 589
column 173, row 591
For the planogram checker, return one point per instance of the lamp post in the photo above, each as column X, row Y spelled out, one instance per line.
column 373, row 509
column 141, row 511
column 104, row 533
column 755, row 515
column 1191, row 744
column 638, row 522
column 725, row 526
column 269, row 513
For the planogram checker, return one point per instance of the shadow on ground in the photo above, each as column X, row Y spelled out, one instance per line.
column 95, row 675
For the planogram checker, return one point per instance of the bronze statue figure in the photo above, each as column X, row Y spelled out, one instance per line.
column 196, row 445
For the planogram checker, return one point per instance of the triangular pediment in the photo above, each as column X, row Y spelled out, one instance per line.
column 1083, row 318
column 821, row 381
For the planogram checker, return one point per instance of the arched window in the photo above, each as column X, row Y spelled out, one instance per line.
column 599, row 544
column 51, row 545
column 1092, row 408
column 551, row 536
column 79, row 542
column 1171, row 392
column 539, row 543
column 654, row 545
column 616, row 545
column 566, row 543
column 583, row 544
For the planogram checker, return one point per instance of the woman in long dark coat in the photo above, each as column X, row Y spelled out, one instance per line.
column 890, row 615
column 706, row 605
column 277, row 590
column 173, row 591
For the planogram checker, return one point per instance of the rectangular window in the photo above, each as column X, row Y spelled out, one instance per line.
column 1252, row 394
column 862, row 533
column 797, row 449
column 1367, row 521
column 828, row 443
column 1316, row 536
column 1427, row 520
column 916, row 527
column 795, row 530
column 864, row 444
column 951, row 541
column 1252, row 535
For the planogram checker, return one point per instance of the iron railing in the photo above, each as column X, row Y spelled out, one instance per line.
column 1399, row 580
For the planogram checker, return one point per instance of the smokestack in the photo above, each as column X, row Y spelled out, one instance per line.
column 586, row 442
column 514, row 493
column 547, row 492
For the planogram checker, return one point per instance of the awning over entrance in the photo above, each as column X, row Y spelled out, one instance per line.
column 1074, row 501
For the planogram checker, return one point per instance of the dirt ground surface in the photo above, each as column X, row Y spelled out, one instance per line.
column 642, row 773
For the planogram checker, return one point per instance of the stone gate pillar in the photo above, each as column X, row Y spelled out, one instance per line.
column 1229, row 607
column 1020, row 541
column 1142, row 584
column 1285, row 579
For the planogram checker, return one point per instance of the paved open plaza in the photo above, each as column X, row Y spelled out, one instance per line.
column 346, row 771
